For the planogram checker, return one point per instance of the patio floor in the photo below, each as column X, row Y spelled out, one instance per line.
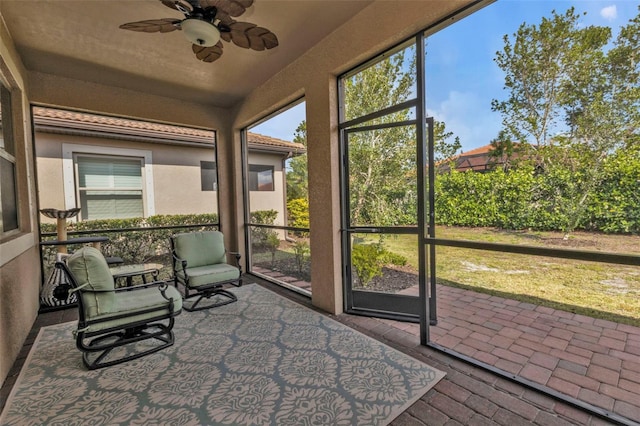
column 592, row 360
column 595, row 361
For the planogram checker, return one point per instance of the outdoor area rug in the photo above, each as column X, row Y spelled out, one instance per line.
column 263, row 360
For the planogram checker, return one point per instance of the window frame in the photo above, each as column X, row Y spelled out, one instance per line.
column 69, row 151
column 110, row 160
column 8, row 151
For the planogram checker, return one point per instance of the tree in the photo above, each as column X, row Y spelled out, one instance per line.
column 505, row 152
column 297, row 176
column 607, row 106
column 443, row 149
column 535, row 65
column 572, row 101
column 382, row 162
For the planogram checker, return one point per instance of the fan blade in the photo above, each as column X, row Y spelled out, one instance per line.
column 230, row 7
column 207, row 54
column 178, row 4
column 224, row 18
column 194, row 3
column 250, row 36
column 164, row 25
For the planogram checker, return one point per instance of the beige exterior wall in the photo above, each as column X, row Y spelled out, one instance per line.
column 54, row 91
column 270, row 200
column 177, row 183
column 19, row 254
column 172, row 175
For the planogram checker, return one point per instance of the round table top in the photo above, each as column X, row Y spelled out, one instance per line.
column 60, row 214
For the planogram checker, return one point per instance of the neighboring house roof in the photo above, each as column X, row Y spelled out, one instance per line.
column 51, row 120
column 258, row 142
column 478, row 160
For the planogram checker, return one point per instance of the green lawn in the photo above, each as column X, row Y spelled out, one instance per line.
column 590, row 288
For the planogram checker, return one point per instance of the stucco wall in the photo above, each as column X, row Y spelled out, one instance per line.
column 314, row 75
column 175, row 179
column 175, row 172
column 269, row 200
column 19, row 257
column 19, row 304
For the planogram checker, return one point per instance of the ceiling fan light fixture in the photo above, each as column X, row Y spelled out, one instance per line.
column 200, row 32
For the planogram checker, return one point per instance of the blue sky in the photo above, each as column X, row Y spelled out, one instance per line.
column 462, row 77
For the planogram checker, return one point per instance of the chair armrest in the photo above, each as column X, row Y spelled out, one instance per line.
column 182, row 262
column 140, row 286
column 121, row 289
column 163, row 290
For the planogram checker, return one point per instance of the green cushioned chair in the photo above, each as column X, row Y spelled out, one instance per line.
column 200, row 266
column 114, row 323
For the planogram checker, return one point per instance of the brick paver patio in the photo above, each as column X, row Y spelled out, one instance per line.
column 592, row 360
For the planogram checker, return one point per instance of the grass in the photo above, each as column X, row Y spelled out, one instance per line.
column 600, row 290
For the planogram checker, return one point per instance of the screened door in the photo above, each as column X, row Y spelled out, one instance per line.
column 383, row 134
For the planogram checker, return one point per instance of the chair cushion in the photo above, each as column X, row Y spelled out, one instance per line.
column 130, row 302
column 89, row 267
column 200, row 248
column 211, row 274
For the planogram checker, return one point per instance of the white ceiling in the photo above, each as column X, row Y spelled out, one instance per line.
column 81, row 40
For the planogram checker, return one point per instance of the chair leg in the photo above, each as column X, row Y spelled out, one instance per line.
column 228, row 297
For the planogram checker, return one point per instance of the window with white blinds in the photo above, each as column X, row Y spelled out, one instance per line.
column 109, row 187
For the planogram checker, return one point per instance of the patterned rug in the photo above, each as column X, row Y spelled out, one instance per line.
column 263, row 360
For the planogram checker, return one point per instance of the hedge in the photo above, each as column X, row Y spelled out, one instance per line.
column 133, row 246
column 525, row 198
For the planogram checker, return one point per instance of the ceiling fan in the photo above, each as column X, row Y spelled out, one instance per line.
column 206, row 23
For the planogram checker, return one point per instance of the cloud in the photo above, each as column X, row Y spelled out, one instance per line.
column 609, row 13
column 468, row 116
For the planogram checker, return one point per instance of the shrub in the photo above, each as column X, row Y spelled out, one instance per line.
column 264, row 238
column 271, row 243
column 302, row 251
column 366, row 262
column 369, row 259
column 543, row 200
column 298, row 212
column 393, row 258
column 134, row 246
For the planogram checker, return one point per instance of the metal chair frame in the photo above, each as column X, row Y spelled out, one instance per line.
column 101, row 342
column 207, row 291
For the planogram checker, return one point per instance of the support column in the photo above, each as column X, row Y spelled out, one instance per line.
column 324, row 194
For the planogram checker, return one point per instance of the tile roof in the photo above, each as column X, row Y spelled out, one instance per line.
column 64, row 121
column 477, row 159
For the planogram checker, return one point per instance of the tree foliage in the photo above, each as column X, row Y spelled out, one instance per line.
column 443, row 148
column 382, row 162
column 573, row 102
column 297, row 175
